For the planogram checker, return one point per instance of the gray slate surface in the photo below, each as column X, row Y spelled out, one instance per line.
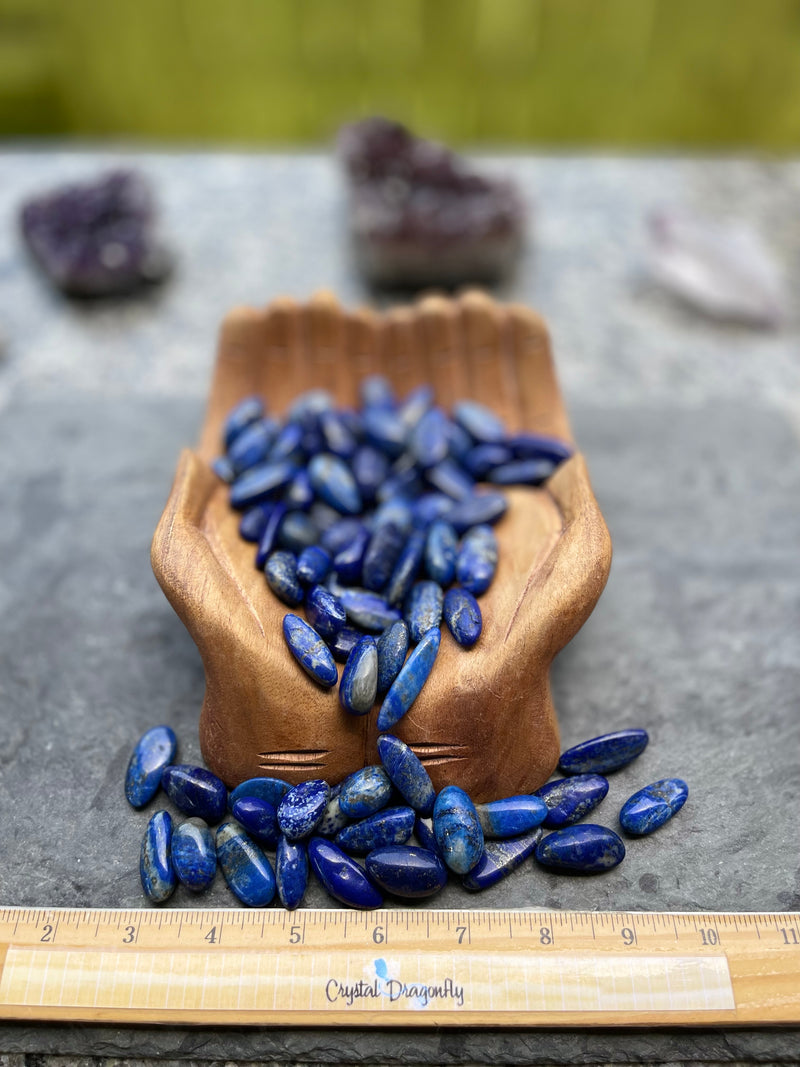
column 691, row 433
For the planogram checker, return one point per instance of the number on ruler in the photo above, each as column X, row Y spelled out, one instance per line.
column 628, row 936
column 379, row 935
column 461, row 930
column 545, row 935
column 211, row 936
column 130, row 934
column 295, row 935
column 48, row 933
column 789, row 935
column 709, row 936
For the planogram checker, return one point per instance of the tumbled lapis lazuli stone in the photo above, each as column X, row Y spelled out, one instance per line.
column 479, row 421
column 406, row 568
column 324, row 612
column 195, row 791
column 423, row 831
column 408, row 775
column 529, row 445
column 569, row 799
column 273, row 790
column 261, row 482
column 392, row 649
column 365, row 792
column 406, row 871
column 429, row 441
column 155, row 862
column 457, row 829
column 476, row 561
column 333, row 482
column 337, row 437
column 297, row 532
column 221, row 466
column 375, row 391
column 341, row 876
column 291, row 872
column 254, row 521
column 281, row 573
column 511, row 816
column 333, row 818
column 370, row 468
column 463, row 616
column 313, row 565
column 302, row 808
column 194, row 855
column 521, row 472
column 476, row 510
column 339, row 534
column 269, row 536
column 299, row 493
column 344, row 642
column 247, row 870
column 581, row 849
column 259, row 818
column 381, row 556
column 349, row 561
column 651, row 807
column 154, row 751
column 251, row 446
column 500, row 858
column 359, row 684
column 246, row 411
column 440, row 552
column 482, row 458
column 385, row 431
column 606, row 753
column 289, row 443
column 451, row 479
column 412, row 677
column 310, row 650
column 423, row 609
column 415, row 404
column 392, row 826
column 367, row 609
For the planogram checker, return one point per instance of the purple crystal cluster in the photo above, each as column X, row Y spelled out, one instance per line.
column 96, row 238
column 420, row 215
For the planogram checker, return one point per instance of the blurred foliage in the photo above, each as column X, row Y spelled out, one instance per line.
column 629, row 73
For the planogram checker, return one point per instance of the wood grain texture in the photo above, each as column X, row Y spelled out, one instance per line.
column 485, row 720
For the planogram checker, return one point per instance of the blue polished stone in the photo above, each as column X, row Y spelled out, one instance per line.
column 310, row 404
column 253, row 522
column 476, row 510
column 337, row 437
column 407, row 685
column 310, row 650
column 370, row 469
column 375, row 391
column 569, row 799
column 155, row 862
column 423, row 609
column 154, row 751
column 261, row 483
column 476, row 561
column 651, row 807
column 381, row 555
column 333, row 818
column 259, row 818
column 359, row 683
column 367, row 609
column 334, row 483
column 423, row 831
column 273, row 790
column 195, row 791
column 499, row 859
column 349, row 561
column 385, row 431
column 341, row 876
column 451, row 479
column 299, row 493
column 440, row 552
column 324, row 611
column 511, row 816
column 239, row 417
column 521, row 472
column 606, row 753
column 539, row 446
column 364, row 792
column 392, row 649
column 418, row 401
column 302, row 808
column 430, row 507
column 298, row 531
column 463, row 616
column 399, row 513
column 581, row 849
column 408, row 775
column 407, row 871
column 479, row 421
column 344, row 642
column 268, row 542
column 403, row 484
column 406, row 568
column 291, row 872
column 281, row 573
column 324, row 517
column 459, row 441
column 194, row 854
column 428, row 440
column 457, row 829
column 339, row 535
column 391, row 826
column 252, row 445
column 289, row 443
column 247, row 870
column 313, row 565
column 221, row 466
column 482, row 458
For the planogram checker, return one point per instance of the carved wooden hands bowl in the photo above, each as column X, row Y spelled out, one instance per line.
column 485, row 719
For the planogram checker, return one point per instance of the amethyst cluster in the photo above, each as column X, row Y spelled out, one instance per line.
column 420, row 215
column 96, row 238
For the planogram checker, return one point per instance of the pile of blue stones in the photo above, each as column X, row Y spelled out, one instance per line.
column 373, row 815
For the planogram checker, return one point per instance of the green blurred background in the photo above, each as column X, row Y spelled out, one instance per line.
column 616, row 73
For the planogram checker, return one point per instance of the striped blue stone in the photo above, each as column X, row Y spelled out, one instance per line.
column 195, row 791
column 367, row 609
column 392, row 650
column 415, row 404
column 440, row 552
column 261, row 482
column 310, row 650
column 247, row 870
column 478, row 509
column 337, row 437
column 364, row 792
column 521, row 472
column 511, row 816
column 324, row 611
column 348, row 562
column 499, row 859
column 333, row 818
column 240, row 416
column 313, row 565
column 289, row 443
column 344, row 642
column 359, row 682
column 451, row 479
column 341, row 876
column 408, row 775
column 281, row 574
column 381, row 555
column 570, row 799
column 291, row 872
column 391, row 826
column 482, row 458
column 302, row 808
column 457, row 829
column 476, row 561
column 463, row 616
column 406, row 569
column 259, row 818
column 194, row 854
column 155, row 860
column 585, row 848
column 334, row 483
column 299, row 493
column 273, row 790
column 252, row 445
column 428, row 441
column 254, row 521
column 154, row 751
column 479, row 421
column 423, row 609
column 412, row 677
column 529, row 445
column 652, row 806
column 297, row 531
column 609, row 752
column 407, row 871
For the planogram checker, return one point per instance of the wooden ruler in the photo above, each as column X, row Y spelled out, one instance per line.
column 400, row 968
